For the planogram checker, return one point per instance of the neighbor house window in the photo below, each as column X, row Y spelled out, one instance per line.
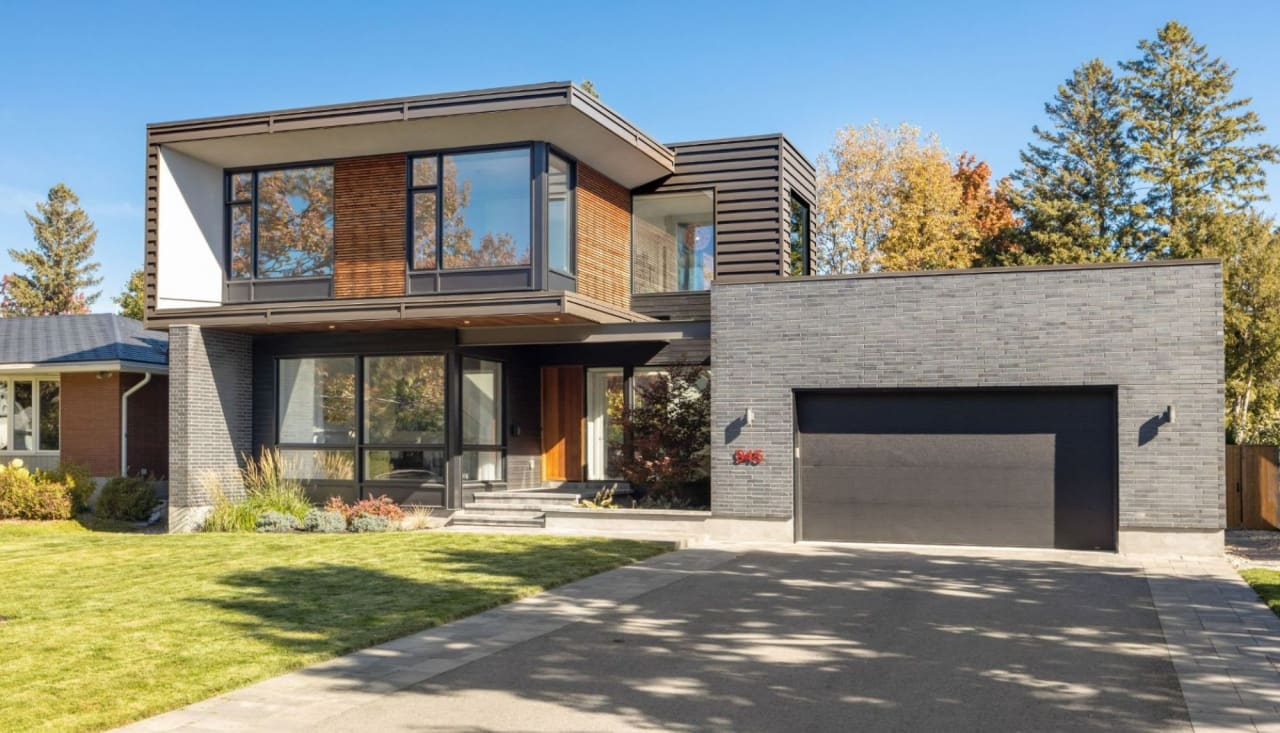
column 403, row 435
column 482, row 436
column 280, row 223
column 471, row 209
column 673, row 242
column 30, row 415
column 799, row 227
column 316, row 418
column 559, row 214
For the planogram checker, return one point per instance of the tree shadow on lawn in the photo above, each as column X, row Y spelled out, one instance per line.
column 331, row 608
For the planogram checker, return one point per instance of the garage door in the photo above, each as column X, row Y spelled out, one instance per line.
column 1016, row 468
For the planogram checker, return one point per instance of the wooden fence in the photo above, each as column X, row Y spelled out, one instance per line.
column 1253, row 487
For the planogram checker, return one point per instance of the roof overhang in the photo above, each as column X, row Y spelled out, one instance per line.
column 558, row 113
column 524, row 308
column 111, row 365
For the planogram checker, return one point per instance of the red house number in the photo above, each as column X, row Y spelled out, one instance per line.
column 748, row 457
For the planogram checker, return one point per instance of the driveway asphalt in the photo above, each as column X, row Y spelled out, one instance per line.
column 808, row 637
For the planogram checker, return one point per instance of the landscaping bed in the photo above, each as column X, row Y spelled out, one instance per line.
column 103, row 628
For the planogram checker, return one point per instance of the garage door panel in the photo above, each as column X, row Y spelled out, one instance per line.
column 1025, row 468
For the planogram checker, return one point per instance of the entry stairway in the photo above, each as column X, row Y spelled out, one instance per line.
column 512, row 508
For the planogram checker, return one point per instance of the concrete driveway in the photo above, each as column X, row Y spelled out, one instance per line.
column 810, row 637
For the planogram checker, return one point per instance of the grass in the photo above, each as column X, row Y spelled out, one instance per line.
column 1267, row 584
column 101, row 628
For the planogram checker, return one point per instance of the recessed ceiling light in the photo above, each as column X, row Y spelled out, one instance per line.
column 466, row 323
column 331, row 326
column 555, row 318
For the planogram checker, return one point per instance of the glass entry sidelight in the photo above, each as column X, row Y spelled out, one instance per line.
column 605, row 395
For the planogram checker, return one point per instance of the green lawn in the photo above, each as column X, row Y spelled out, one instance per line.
column 101, row 628
column 1267, row 584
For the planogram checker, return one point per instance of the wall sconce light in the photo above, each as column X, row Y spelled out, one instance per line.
column 1169, row 414
column 750, row 417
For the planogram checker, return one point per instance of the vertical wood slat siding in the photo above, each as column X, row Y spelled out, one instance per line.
column 603, row 214
column 752, row 178
column 369, row 209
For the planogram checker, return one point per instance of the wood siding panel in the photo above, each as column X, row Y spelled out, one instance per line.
column 603, row 216
column 369, row 232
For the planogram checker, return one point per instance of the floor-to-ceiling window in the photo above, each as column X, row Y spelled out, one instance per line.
column 605, row 405
column 403, row 436
column 482, row 441
column 316, row 422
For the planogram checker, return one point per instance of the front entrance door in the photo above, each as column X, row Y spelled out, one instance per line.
column 562, row 417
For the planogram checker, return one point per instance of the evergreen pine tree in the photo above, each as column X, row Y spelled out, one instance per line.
column 59, row 267
column 1189, row 137
column 1075, row 188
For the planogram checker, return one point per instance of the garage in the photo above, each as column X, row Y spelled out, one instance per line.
column 1018, row 467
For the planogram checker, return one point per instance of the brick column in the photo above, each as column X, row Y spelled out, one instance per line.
column 210, row 418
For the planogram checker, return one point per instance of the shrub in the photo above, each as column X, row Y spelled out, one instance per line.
column 129, row 498
column 667, row 501
column 76, row 479
column 322, row 520
column 268, row 489
column 276, row 523
column 26, row 496
column 228, row 515
column 374, row 506
column 670, row 430
column 418, row 517
column 603, row 500
column 370, row 523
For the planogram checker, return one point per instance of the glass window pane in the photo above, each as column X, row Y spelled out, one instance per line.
column 424, row 230
column 558, row 213
column 241, row 186
column 481, row 402
column 482, row 465
column 241, row 241
column 673, row 240
column 486, row 208
column 799, row 236
column 404, row 400
column 421, row 466
column 424, row 171
column 49, row 415
column 4, row 415
column 317, row 401
column 295, row 222
column 23, row 416
column 318, row 465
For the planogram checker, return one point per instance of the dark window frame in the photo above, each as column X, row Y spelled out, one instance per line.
column 411, row 189
column 228, row 203
column 571, row 212
column 503, row 419
column 807, row 244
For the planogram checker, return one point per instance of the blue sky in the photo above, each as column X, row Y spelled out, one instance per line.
column 79, row 86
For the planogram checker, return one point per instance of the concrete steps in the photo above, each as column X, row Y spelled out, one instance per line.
column 511, row 508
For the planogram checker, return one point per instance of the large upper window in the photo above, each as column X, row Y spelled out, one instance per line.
column 673, row 242
column 471, row 209
column 30, row 415
column 799, row 228
column 280, row 223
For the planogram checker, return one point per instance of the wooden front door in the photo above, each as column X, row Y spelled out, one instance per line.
column 562, row 416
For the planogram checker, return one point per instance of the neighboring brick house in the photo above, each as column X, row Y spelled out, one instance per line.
column 439, row 298
column 69, row 383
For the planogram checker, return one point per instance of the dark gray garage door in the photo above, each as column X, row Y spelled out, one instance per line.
column 1018, row 468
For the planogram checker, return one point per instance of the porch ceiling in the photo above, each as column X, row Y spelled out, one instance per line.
column 435, row 311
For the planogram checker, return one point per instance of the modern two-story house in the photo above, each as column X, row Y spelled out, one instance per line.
column 435, row 296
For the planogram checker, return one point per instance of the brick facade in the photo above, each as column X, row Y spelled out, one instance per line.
column 1154, row 332
column 369, row 200
column 604, row 238
column 90, row 431
column 210, row 416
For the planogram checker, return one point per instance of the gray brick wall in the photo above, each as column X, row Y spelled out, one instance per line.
column 210, row 416
column 1155, row 332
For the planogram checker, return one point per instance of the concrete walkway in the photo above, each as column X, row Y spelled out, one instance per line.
column 813, row 637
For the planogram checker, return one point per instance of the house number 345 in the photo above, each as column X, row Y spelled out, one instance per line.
column 748, row 457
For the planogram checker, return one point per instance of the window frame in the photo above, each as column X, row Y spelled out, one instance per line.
column 35, row 381
column 348, row 446
column 228, row 203
column 715, row 234
column 363, row 445
column 501, row 400
column 807, row 268
column 571, row 212
column 439, row 154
